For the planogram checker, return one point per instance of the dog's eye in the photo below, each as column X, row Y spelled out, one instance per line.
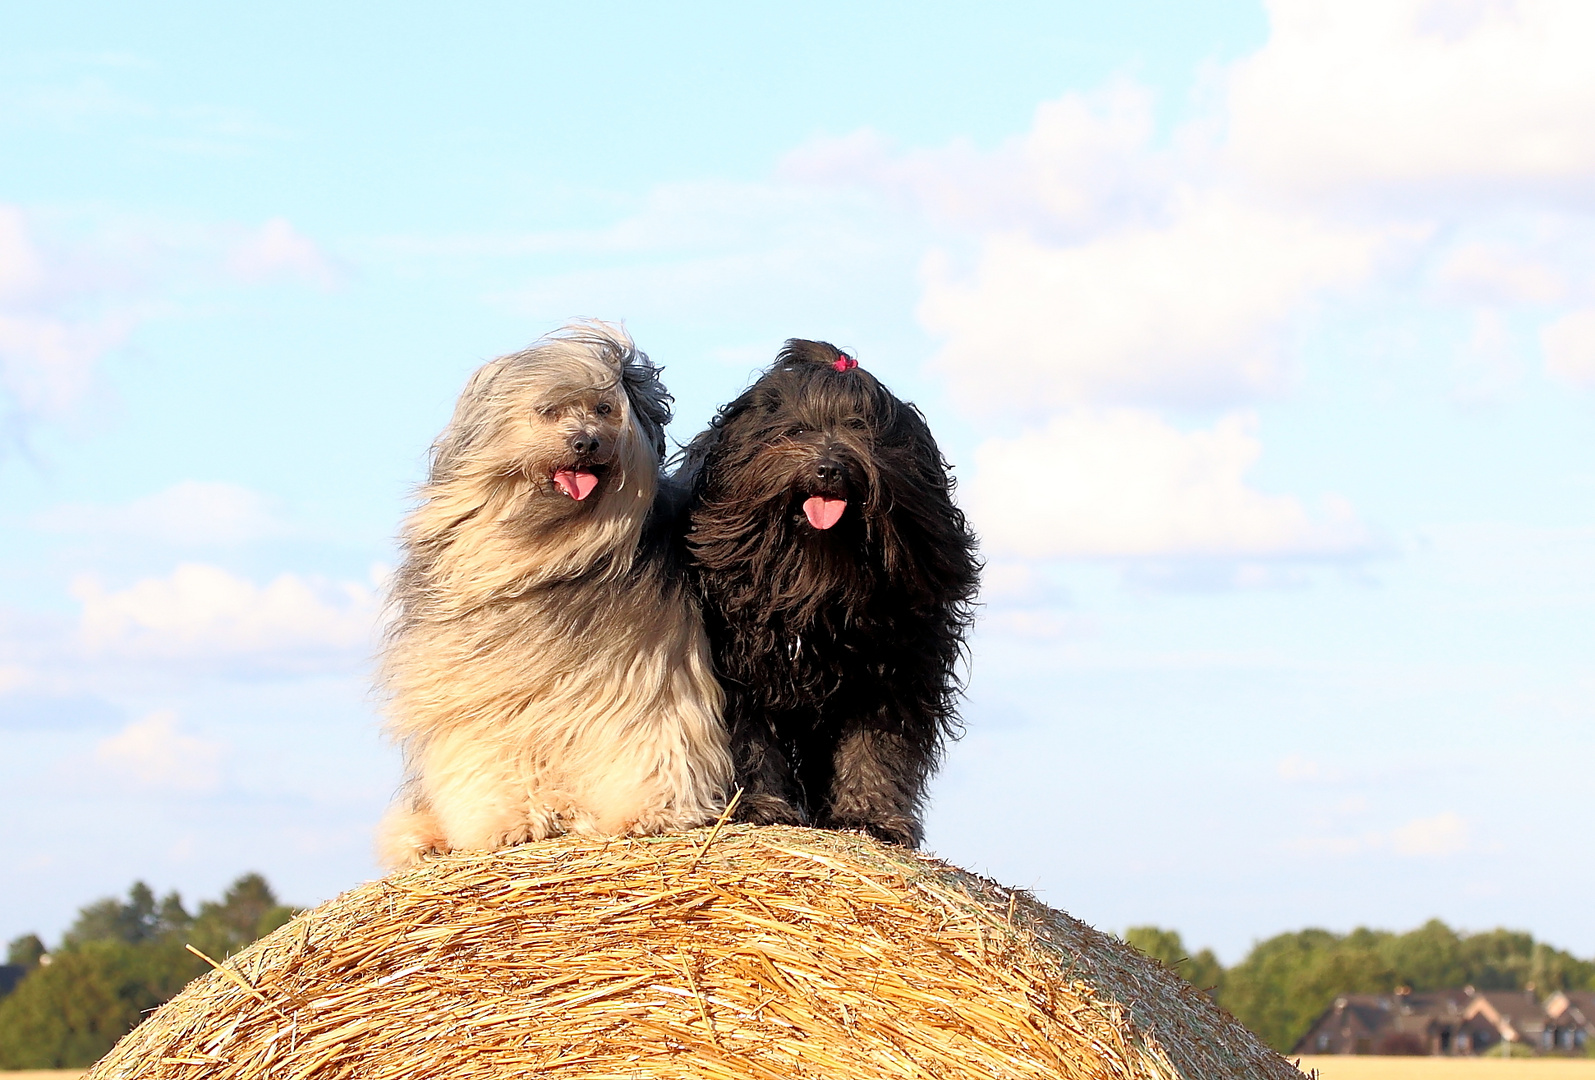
column 604, row 408
column 794, row 432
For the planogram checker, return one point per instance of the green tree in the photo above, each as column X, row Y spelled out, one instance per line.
column 137, row 920
column 1287, row 981
column 1428, row 958
column 70, row 1012
column 1159, row 944
column 1498, row 959
column 171, row 916
column 112, row 920
column 25, row 951
column 1552, row 969
column 248, row 910
column 118, row 961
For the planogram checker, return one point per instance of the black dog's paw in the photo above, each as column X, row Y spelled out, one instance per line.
column 768, row 810
column 892, row 828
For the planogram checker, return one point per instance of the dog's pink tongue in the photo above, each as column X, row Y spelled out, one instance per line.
column 578, row 485
column 823, row 513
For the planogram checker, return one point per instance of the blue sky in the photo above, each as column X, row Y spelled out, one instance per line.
column 1262, row 339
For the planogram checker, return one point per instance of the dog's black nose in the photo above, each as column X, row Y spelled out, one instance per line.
column 830, row 472
column 586, row 442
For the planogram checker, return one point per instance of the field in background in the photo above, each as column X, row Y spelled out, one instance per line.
column 1350, row 1067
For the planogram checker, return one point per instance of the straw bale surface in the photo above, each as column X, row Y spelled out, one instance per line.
column 754, row 952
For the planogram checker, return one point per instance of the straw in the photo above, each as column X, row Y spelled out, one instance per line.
column 727, row 953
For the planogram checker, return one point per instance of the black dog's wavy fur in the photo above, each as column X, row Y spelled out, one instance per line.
column 840, row 650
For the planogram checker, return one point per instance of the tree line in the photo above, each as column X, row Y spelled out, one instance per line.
column 119, row 960
column 1286, row 982
column 122, row 958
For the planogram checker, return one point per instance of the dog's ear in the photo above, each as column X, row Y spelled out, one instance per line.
column 650, row 401
column 942, row 552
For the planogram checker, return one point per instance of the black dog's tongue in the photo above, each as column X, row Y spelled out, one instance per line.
column 822, row 512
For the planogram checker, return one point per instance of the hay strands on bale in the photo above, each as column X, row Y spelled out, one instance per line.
column 742, row 952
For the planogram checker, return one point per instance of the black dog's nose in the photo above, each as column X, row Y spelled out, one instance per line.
column 586, row 442
column 830, row 472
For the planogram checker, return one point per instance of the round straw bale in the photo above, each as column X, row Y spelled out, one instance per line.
column 741, row 952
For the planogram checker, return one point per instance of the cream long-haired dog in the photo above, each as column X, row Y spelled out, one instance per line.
column 546, row 670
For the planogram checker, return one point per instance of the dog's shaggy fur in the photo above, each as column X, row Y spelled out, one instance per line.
column 547, row 669
column 838, row 581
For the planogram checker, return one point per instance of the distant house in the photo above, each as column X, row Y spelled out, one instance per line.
column 1513, row 1016
column 1572, row 1014
column 1390, row 1024
column 1451, row 1022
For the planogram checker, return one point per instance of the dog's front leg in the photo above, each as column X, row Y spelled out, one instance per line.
column 409, row 831
column 878, row 785
column 769, row 788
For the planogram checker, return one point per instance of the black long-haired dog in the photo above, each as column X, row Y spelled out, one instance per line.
column 838, row 581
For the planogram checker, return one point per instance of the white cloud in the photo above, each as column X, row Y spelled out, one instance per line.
column 1194, row 310
column 204, row 613
column 66, row 304
column 1473, row 93
column 48, row 352
column 1108, row 270
column 277, row 249
column 766, row 252
column 20, row 268
column 1499, row 273
column 13, row 677
column 1445, row 834
column 1122, row 483
column 1569, row 345
column 1487, row 364
column 1084, row 161
column 1295, row 767
column 1111, row 268
column 188, row 512
column 47, row 365
column 152, row 753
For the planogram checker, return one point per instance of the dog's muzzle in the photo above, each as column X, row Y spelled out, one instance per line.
column 587, row 443
column 826, row 505
column 581, row 476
